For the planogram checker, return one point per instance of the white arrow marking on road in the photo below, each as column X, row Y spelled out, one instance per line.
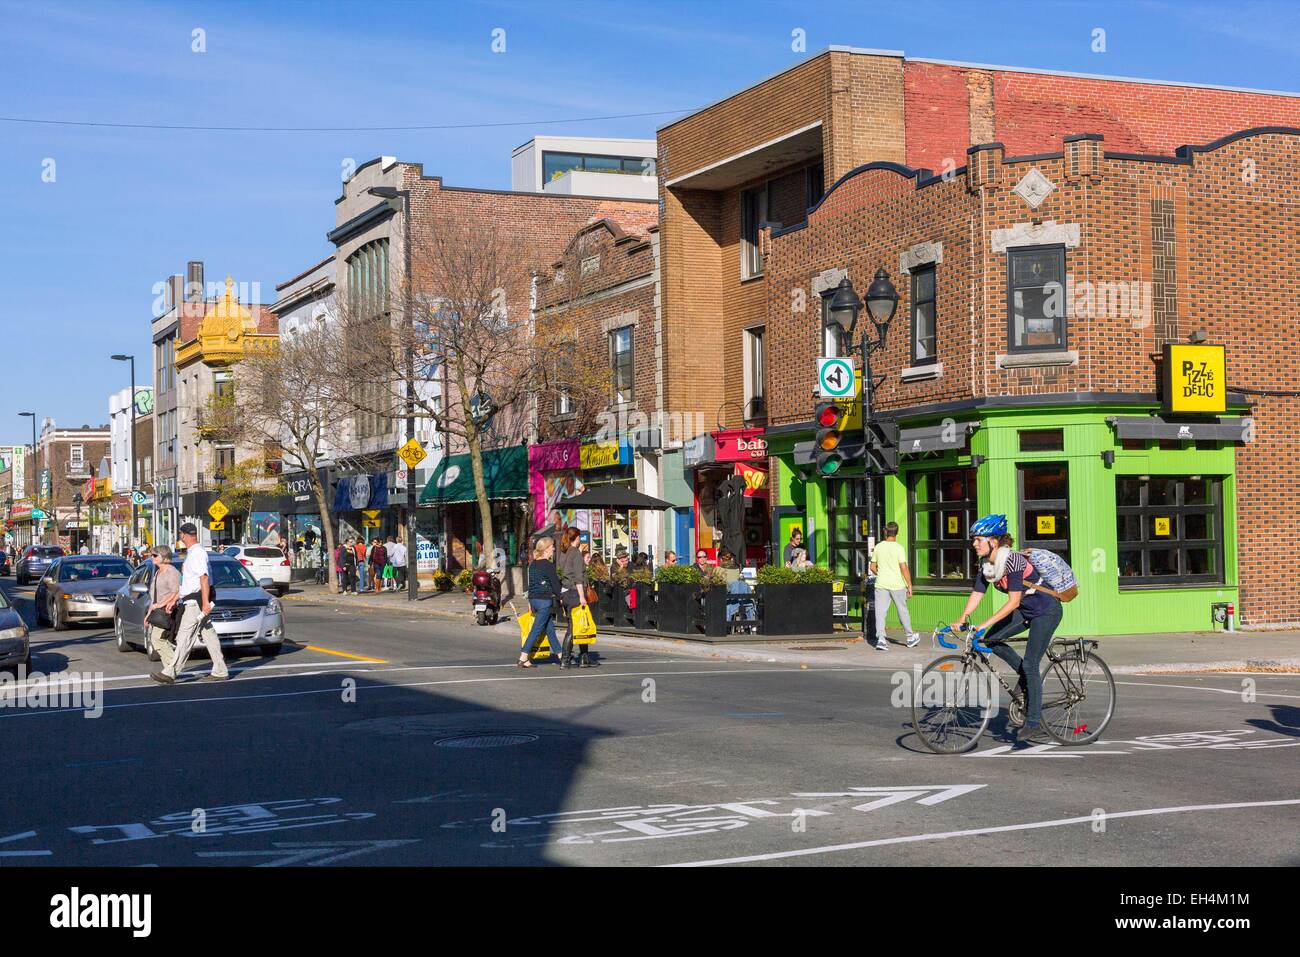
column 310, row 853
column 899, row 793
column 22, row 837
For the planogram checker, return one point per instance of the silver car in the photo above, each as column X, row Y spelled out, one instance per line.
column 80, row 589
column 243, row 616
column 15, row 646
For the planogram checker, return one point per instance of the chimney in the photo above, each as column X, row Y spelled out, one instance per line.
column 175, row 290
column 194, row 288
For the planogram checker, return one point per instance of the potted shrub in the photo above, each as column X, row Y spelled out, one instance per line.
column 795, row 602
column 644, row 613
column 442, row 581
column 677, row 597
column 464, row 580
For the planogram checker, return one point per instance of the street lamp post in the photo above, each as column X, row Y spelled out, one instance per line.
column 76, row 501
column 391, row 194
column 31, row 468
column 130, row 463
column 882, row 303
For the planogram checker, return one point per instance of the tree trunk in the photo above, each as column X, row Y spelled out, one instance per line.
column 326, row 528
column 476, row 464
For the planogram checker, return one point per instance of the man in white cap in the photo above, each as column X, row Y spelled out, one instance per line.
column 196, row 602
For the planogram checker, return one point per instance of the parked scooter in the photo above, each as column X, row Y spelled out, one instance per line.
column 487, row 596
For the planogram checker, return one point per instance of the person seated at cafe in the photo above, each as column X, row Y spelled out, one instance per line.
column 799, row 560
column 736, row 585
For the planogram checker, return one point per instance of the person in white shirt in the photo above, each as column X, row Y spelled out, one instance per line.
column 397, row 558
column 196, row 599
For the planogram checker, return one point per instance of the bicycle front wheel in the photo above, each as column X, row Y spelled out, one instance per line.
column 950, row 707
column 1078, row 698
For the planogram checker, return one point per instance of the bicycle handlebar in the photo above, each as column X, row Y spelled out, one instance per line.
column 976, row 635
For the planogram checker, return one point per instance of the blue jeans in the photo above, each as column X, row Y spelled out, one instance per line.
column 740, row 587
column 543, row 618
column 1041, row 628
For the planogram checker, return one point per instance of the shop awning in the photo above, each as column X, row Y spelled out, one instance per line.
column 1155, row 427
column 612, row 496
column 505, row 473
column 936, row 438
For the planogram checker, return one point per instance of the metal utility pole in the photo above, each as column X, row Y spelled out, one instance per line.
column 130, row 462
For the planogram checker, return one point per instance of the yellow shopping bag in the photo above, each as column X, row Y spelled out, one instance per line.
column 543, row 649
column 584, row 626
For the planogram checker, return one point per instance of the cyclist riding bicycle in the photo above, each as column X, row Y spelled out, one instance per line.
column 1026, row 607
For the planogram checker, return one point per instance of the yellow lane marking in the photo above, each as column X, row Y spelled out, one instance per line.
column 344, row 654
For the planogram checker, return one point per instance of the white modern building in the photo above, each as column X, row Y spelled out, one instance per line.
column 586, row 166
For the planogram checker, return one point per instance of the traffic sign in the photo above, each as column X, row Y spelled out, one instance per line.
column 218, row 510
column 835, row 379
column 370, row 518
column 412, row 453
column 217, row 526
column 139, row 498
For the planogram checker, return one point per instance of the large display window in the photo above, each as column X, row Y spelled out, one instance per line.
column 1169, row 529
column 941, row 507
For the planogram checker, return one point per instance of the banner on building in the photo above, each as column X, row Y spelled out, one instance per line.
column 357, row 492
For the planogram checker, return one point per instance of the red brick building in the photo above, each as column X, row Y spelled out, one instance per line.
column 1046, row 278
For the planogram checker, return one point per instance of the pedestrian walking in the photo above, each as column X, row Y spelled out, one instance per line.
column 359, row 549
column 397, row 558
column 347, row 566
column 893, row 584
column 164, row 592
column 196, row 603
column 378, row 559
column 544, row 591
column 573, row 594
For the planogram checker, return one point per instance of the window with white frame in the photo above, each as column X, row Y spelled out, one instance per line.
column 621, row 364
column 754, row 370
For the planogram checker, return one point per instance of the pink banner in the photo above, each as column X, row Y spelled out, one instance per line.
column 560, row 456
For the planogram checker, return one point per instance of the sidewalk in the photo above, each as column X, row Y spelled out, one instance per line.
column 1126, row 654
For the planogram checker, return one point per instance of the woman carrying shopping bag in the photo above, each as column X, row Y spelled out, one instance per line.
column 573, row 580
column 543, row 596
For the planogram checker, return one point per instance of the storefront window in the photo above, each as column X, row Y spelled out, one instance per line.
column 1045, row 507
column 941, row 507
column 1170, row 529
column 847, row 516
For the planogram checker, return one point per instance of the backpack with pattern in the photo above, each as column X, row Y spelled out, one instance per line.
column 1054, row 573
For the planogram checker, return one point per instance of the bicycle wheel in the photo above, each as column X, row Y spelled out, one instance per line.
column 949, row 706
column 1078, row 697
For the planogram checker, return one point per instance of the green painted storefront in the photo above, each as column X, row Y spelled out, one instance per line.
column 995, row 453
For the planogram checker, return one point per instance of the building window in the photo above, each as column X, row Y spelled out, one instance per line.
column 225, row 458
column 76, row 455
column 816, row 180
column 847, row 523
column 1042, row 440
column 941, row 507
column 563, row 402
column 368, row 287
column 1036, row 298
column 555, row 165
column 223, row 384
column 835, row 341
column 620, row 362
column 1170, row 529
column 923, row 316
column 753, row 212
column 755, row 396
column 1045, row 507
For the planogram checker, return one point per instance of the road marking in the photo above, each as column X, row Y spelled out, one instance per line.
column 22, row 836
column 421, row 684
column 972, row 832
column 313, row 854
column 1236, row 692
column 344, row 654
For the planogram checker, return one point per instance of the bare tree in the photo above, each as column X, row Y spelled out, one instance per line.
column 463, row 318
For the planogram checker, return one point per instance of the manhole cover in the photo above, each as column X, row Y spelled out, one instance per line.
column 486, row 741
column 817, row 648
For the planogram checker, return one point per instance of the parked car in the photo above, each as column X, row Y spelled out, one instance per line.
column 15, row 646
column 35, row 562
column 263, row 561
column 244, row 615
column 80, row 588
column 4, row 562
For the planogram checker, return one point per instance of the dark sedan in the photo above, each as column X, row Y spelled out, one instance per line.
column 35, row 561
column 15, row 646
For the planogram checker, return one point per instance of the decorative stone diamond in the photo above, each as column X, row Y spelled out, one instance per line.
column 1034, row 188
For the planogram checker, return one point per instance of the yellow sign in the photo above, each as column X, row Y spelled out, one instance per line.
column 218, row 510
column 837, row 587
column 1046, row 524
column 1162, row 526
column 599, row 455
column 412, row 453
column 1195, row 378
column 217, row 526
column 370, row 518
column 852, row 421
column 954, row 524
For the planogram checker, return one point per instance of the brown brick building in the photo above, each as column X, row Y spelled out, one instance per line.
column 1039, row 284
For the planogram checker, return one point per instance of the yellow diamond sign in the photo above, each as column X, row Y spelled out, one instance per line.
column 412, row 453
column 218, row 510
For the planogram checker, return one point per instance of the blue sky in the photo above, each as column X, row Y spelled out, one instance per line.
column 79, row 256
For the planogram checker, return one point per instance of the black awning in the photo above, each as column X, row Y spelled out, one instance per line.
column 945, row 437
column 1155, row 427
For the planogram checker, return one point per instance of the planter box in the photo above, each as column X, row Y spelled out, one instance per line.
column 711, row 617
column 796, row 609
column 622, row 615
column 604, row 610
column 646, row 614
column 676, row 607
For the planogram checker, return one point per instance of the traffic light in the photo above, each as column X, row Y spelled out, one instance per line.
column 882, row 445
column 830, row 434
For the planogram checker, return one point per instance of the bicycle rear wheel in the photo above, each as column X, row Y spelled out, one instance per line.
column 949, row 706
column 1078, row 697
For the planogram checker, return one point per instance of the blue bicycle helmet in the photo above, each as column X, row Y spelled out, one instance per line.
column 990, row 525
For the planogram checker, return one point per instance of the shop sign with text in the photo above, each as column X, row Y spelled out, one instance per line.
column 603, row 455
column 1195, row 378
column 740, row 445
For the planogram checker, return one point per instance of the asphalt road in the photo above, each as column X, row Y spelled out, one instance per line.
column 387, row 739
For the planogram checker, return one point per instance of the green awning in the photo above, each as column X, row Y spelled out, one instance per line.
column 505, row 473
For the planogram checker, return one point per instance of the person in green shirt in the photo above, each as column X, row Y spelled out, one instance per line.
column 893, row 583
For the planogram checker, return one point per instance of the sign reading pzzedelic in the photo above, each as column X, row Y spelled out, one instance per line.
column 834, row 378
column 1195, row 378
